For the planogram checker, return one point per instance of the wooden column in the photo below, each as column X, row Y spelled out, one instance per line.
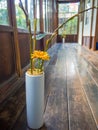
column 57, row 23
column 55, row 15
column 91, row 25
column 15, row 35
column 83, row 5
column 41, row 17
column 96, row 32
column 83, row 20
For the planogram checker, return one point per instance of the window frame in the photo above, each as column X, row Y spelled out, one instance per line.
column 9, row 27
column 71, row 13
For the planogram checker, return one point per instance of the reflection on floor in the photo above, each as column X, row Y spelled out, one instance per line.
column 71, row 93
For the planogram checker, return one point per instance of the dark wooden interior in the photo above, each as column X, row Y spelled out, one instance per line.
column 71, row 81
column 71, row 93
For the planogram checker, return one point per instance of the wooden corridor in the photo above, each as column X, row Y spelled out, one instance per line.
column 71, row 93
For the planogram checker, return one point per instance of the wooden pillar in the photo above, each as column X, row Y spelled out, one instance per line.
column 57, row 23
column 35, row 9
column 55, row 15
column 41, row 17
column 83, row 5
column 96, row 31
column 15, row 37
column 90, row 45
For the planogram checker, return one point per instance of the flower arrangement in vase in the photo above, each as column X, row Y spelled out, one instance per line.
column 63, row 35
column 35, row 75
column 34, row 78
column 33, row 59
column 37, row 57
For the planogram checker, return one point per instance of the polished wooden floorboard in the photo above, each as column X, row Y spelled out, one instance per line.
column 71, row 92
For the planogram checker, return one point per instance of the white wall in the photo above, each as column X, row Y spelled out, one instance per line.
column 87, row 19
column 81, row 8
column 94, row 19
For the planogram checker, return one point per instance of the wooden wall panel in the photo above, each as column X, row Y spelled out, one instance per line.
column 24, row 47
column 40, row 44
column 93, row 45
column 7, row 58
column 87, row 41
column 69, row 38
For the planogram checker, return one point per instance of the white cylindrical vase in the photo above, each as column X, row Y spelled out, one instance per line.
column 34, row 100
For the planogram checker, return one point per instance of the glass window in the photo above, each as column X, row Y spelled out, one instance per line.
column 31, row 12
column 44, row 14
column 31, row 9
column 47, row 15
column 38, row 15
column 65, row 12
column 20, row 16
column 4, row 19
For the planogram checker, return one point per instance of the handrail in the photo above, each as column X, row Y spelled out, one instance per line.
column 55, row 31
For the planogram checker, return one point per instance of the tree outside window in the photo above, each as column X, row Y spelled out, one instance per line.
column 4, row 19
column 20, row 16
column 65, row 11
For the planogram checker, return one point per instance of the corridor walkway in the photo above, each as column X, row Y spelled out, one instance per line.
column 71, row 90
column 73, row 94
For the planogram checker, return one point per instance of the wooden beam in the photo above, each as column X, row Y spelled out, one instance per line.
column 15, row 35
column 41, row 16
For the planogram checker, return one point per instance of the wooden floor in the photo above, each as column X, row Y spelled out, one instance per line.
column 71, row 93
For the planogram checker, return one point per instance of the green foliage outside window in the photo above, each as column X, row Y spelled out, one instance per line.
column 3, row 13
column 71, row 26
column 65, row 12
column 20, row 17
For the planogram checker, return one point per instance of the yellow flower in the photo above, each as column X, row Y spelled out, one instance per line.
column 40, row 55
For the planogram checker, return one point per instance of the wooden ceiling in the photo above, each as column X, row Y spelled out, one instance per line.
column 68, row 1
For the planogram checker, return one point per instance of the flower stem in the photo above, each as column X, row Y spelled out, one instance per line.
column 34, row 39
column 31, row 45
